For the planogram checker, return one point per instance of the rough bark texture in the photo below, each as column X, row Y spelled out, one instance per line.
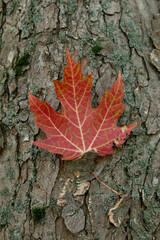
column 42, row 197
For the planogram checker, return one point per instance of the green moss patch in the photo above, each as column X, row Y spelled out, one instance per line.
column 23, row 61
column 96, row 49
column 38, row 213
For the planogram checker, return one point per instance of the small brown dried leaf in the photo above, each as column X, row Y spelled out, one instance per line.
column 118, row 213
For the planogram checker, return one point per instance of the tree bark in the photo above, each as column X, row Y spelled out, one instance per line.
column 41, row 196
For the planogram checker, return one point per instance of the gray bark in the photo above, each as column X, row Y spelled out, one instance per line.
column 72, row 204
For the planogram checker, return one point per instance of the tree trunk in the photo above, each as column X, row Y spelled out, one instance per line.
column 41, row 196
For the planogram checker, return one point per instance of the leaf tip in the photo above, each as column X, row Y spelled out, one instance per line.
column 30, row 95
column 130, row 127
column 68, row 54
column 34, row 143
column 134, row 125
column 119, row 75
column 67, row 51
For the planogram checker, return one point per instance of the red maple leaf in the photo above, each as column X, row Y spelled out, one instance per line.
column 79, row 128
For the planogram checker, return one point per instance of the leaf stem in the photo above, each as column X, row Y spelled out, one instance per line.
column 106, row 184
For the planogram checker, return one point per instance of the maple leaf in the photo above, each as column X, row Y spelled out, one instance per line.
column 79, row 128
